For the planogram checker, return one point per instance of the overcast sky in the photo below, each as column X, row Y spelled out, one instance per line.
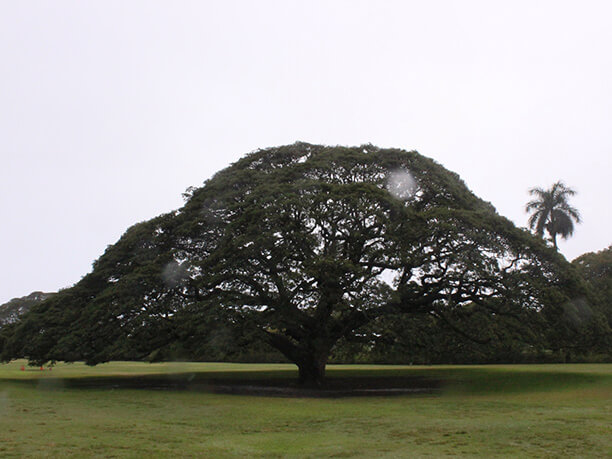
column 110, row 109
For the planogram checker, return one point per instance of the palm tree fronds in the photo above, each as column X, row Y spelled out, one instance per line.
column 550, row 211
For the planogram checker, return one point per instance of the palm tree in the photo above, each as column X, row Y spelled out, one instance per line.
column 551, row 212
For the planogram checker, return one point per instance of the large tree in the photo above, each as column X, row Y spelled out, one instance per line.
column 551, row 212
column 301, row 246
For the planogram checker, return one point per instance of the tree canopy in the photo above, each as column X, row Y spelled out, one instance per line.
column 596, row 268
column 302, row 246
column 13, row 309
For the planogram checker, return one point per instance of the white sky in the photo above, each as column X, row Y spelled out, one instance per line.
column 110, row 109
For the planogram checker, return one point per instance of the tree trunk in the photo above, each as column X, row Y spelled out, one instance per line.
column 312, row 368
column 310, row 356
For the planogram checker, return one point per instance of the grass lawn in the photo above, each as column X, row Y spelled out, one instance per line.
column 513, row 410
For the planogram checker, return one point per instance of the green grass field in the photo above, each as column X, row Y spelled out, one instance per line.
column 522, row 410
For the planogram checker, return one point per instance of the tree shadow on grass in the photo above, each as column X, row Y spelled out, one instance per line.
column 248, row 383
column 338, row 384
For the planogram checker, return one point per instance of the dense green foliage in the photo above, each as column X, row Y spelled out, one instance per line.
column 596, row 267
column 303, row 247
column 597, row 270
column 13, row 309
